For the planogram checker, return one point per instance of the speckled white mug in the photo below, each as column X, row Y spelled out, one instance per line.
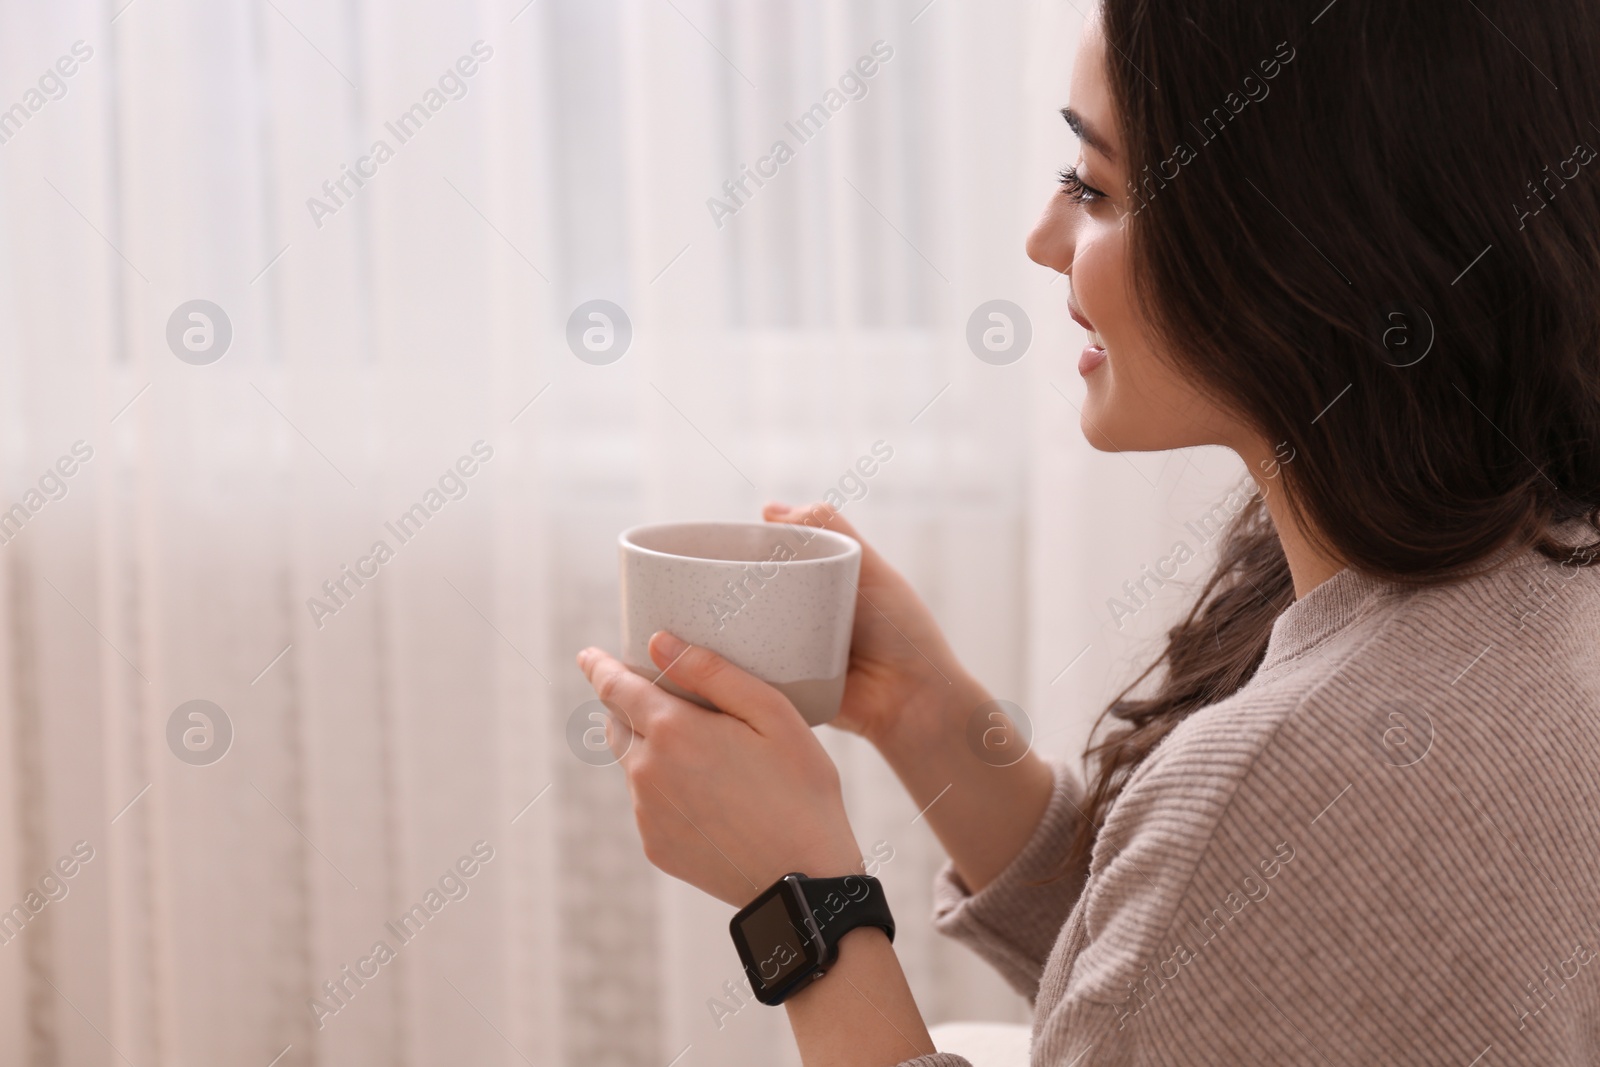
column 775, row 599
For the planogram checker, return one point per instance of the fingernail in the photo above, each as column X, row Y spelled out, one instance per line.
column 775, row 505
column 671, row 646
column 583, row 657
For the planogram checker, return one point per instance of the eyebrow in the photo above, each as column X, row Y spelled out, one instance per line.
column 1087, row 134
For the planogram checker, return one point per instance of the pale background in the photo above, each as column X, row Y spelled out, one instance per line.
column 367, row 355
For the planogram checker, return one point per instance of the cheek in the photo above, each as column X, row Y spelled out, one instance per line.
column 1099, row 282
column 1135, row 401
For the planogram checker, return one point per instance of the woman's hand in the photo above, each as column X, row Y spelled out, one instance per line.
column 906, row 694
column 902, row 673
column 728, row 802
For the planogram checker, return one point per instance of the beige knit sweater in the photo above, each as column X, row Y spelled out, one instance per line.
column 1385, row 849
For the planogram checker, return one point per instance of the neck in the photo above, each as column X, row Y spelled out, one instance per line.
column 1308, row 566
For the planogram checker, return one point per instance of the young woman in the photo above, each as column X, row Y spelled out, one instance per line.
column 1350, row 815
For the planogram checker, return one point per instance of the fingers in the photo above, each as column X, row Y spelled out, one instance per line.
column 637, row 705
column 825, row 516
column 630, row 701
column 733, row 690
column 818, row 514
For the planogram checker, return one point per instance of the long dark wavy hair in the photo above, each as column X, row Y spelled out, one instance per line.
column 1382, row 246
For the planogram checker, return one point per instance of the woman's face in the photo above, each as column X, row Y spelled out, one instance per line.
column 1136, row 401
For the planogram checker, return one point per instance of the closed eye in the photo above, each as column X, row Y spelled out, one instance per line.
column 1075, row 190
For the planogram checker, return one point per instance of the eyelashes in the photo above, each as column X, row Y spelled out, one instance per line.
column 1075, row 190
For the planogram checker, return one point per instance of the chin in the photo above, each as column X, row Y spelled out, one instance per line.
column 1112, row 428
column 1105, row 427
column 1090, row 425
column 1146, row 413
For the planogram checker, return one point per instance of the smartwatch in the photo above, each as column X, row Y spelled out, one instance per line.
column 788, row 936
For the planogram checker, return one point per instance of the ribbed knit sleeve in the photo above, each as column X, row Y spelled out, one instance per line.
column 1012, row 923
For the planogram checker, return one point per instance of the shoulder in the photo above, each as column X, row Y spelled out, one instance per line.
column 1490, row 669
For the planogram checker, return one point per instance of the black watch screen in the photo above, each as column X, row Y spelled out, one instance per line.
column 777, row 944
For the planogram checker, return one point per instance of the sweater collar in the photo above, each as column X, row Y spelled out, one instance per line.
column 1334, row 604
column 1321, row 613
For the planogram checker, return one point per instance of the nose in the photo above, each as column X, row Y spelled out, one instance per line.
column 1051, row 244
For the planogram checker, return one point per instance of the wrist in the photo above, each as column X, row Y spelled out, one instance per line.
column 931, row 719
column 982, row 807
column 862, row 1011
column 833, row 862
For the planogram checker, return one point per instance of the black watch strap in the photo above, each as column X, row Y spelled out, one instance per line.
column 839, row 905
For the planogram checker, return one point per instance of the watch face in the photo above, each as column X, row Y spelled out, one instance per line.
column 773, row 945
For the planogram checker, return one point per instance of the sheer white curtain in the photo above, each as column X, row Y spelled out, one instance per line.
column 397, row 327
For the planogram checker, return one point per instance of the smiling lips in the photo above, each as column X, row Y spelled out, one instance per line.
column 1094, row 353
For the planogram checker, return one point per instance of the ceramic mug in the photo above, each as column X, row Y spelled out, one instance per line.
column 775, row 599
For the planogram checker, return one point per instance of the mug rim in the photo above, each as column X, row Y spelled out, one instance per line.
column 851, row 547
